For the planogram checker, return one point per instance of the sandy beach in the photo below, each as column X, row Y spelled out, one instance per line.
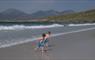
column 73, row 46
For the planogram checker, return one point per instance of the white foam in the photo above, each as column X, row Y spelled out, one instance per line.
column 16, row 43
column 86, row 24
column 53, row 35
column 20, row 27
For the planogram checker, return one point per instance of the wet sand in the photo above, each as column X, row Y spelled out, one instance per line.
column 73, row 46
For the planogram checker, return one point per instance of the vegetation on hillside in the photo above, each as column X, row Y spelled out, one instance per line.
column 80, row 17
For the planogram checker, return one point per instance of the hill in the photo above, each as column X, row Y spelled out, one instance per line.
column 15, row 15
column 79, row 17
column 42, row 14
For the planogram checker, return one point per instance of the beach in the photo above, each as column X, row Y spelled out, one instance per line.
column 73, row 46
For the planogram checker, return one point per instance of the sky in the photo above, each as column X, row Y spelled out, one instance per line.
column 30, row 6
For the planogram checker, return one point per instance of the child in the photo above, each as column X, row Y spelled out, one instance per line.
column 41, row 43
column 47, row 39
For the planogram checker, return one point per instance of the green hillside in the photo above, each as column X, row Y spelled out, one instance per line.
column 80, row 17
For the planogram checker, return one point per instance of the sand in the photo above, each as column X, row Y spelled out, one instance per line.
column 74, row 46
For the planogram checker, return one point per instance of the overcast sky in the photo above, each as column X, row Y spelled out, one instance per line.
column 30, row 6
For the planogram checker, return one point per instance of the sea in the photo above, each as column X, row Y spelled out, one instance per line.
column 18, row 33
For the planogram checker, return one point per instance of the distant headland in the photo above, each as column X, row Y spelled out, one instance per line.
column 67, row 16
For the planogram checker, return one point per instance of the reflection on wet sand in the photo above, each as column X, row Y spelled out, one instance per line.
column 45, row 56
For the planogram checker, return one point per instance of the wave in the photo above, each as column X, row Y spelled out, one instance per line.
column 86, row 24
column 20, row 27
column 36, row 38
column 13, row 43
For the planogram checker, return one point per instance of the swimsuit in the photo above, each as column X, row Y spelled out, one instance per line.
column 46, row 41
column 41, row 44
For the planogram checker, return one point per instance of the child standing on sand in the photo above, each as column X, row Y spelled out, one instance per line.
column 41, row 43
column 46, row 42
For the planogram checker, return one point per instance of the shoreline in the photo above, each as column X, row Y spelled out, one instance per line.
column 75, row 46
column 54, row 35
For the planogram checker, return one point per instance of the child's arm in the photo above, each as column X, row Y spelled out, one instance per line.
column 39, row 39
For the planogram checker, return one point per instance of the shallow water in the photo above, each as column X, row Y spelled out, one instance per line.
column 13, row 37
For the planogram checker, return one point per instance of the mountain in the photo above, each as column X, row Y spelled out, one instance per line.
column 17, row 15
column 67, row 16
column 67, row 12
column 42, row 14
column 13, row 14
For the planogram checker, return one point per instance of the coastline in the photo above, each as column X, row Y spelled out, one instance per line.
column 73, row 46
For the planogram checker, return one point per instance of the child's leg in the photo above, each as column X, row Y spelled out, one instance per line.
column 47, row 44
column 37, row 47
column 42, row 49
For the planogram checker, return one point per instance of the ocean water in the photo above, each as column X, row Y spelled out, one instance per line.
column 18, row 33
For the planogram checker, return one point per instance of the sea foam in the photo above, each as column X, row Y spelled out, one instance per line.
column 20, row 27
column 36, row 38
column 86, row 24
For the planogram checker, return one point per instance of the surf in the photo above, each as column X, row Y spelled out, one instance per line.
column 21, row 27
column 35, row 38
